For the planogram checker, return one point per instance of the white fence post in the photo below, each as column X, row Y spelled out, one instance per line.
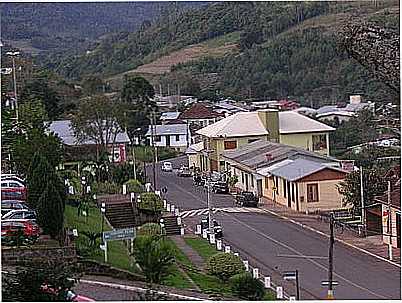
column 182, row 231
column 267, row 282
column 246, row 264
column 178, row 220
column 198, row 230
column 132, row 196
column 172, row 208
column 219, row 244
column 227, row 248
column 124, row 189
column 212, row 238
column 177, row 212
column 164, row 204
column 204, row 234
column 255, row 273
column 168, row 207
column 236, row 254
column 279, row 292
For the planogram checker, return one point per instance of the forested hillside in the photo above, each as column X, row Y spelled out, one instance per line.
column 283, row 49
column 61, row 27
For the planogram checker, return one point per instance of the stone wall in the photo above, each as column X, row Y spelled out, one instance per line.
column 23, row 255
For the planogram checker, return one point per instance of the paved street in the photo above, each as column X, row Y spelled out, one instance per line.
column 262, row 238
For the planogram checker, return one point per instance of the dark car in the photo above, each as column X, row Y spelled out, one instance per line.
column 247, row 198
column 220, row 187
column 217, row 227
column 30, row 229
column 184, row 171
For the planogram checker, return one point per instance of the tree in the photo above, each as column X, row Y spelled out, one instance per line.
column 29, row 283
column 50, row 209
column 25, row 145
column 39, row 89
column 137, row 92
column 373, row 185
column 99, row 119
column 93, row 85
column 154, row 255
column 32, row 114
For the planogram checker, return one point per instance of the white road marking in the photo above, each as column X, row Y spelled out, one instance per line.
column 204, row 211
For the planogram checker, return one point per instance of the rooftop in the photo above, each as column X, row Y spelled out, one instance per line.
column 199, row 111
column 63, row 129
column 170, row 115
column 169, row 129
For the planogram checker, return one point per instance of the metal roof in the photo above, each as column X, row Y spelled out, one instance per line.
column 169, row 129
column 64, row 130
column 170, row 115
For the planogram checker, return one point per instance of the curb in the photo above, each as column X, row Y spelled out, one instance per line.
column 336, row 239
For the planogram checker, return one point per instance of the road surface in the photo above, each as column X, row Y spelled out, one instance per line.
column 264, row 240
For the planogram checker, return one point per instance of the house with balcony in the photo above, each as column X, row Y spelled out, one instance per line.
column 291, row 176
column 271, row 125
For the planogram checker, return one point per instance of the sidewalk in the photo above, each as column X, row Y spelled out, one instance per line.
column 370, row 245
column 194, row 257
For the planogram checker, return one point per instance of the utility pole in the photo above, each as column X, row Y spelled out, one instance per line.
column 210, row 227
column 13, row 55
column 389, row 225
column 134, row 167
column 154, row 147
column 362, row 201
column 330, row 294
column 297, row 285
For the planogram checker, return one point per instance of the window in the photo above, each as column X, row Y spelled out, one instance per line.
column 242, row 177
column 252, row 140
column 14, row 184
column 157, row 138
column 319, row 142
column 266, row 183
column 293, row 192
column 312, row 192
column 4, row 184
column 230, row 144
column 177, row 137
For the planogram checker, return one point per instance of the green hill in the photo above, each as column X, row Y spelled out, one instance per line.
column 282, row 49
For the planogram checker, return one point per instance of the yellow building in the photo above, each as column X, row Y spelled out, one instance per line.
column 302, row 180
column 269, row 125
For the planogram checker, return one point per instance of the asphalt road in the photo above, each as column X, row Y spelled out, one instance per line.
column 263, row 238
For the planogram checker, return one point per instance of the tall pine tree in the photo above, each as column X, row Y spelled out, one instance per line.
column 50, row 210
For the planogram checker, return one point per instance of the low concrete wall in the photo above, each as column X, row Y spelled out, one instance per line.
column 23, row 255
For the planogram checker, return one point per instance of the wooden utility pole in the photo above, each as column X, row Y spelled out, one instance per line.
column 363, row 214
column 330, row 294
column 389, row 225
column 153, row 147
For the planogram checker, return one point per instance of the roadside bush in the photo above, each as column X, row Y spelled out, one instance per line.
column 246, row 287
column 167, row 153
column 149, row 229
column 155, row 256
column 134, row 186
column 225, row 265
column 150, row 202
column 105, row 188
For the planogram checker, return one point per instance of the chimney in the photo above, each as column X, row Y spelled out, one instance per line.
column 270, row 120
column 355, row 99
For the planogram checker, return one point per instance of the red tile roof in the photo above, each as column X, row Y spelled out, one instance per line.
column 199, row 111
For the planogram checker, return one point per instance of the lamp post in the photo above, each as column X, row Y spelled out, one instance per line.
column 103, row 210
column 13, row 55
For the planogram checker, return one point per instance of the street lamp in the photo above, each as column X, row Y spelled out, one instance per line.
column 103, row 211
column 13, row 55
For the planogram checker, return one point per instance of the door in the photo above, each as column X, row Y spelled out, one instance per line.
column 246, row 178
column 398, row 230
column 168, row 141
column 259, row 188
column 289, row 192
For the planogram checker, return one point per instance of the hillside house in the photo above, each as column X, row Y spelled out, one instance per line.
column 269, row 125
column 176, row 136
column 299, row 179
column 64, row 131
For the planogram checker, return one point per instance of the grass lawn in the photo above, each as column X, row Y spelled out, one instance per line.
column 176, row 279
column 204, row 249
column 117, row 251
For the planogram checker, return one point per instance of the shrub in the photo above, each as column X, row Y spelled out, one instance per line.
column 246, row 287
column 155, row 256
column 134, row 186
column 105, row 188
column 150, row 229
column 225, row 265
column 150, row 202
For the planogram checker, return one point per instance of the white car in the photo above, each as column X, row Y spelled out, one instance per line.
column 167, row 166
column 19, row 214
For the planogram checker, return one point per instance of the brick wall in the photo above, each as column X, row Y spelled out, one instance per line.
column 14, row 256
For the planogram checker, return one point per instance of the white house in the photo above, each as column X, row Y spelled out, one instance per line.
column 176, row 136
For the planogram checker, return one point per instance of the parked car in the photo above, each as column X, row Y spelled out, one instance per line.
column 184, row 171
column 19, row 214
column 218, row 231
column 167, row 166
column 12, row 190
column 9, row 205
column 247, row 198
column 30, row 230
column 220, row 187
column 12, row 177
